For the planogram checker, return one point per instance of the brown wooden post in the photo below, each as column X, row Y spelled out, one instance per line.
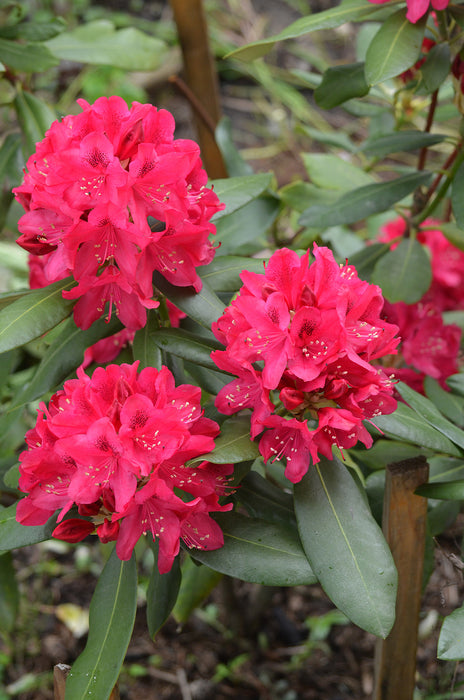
column 201, row 80
column 404, row 526
column 60, row 673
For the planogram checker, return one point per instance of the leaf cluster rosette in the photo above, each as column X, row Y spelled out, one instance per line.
column 301, row 339
column 115, row 445
column 110, row 196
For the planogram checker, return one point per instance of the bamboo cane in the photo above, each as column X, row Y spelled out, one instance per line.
column 201, row 79
column 404, row 526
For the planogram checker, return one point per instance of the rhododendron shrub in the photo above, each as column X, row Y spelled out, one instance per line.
column 110, row 196
column 429, row 347
column 113, row 447
column 301, row 339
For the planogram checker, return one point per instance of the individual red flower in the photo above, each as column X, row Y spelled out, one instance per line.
column 114, row 446
column 110, row 196
column 418, row 8
column 300, row 339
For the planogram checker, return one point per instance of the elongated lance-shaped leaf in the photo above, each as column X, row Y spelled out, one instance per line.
column 341, row 83
column 112, row 616
column 406, row 424
column 33, row 314
column 363, row 202
column 446, row 490
column 234, row 443
column 235, row 192
column 196, row 585
column 223, row 273
column 425, row 408
column 203, row 307
column 188, row 346
column 405, row 273
column 9, row 593
column 395, row 47
column 398, row 141
column 345, row 546
column 162, row 592
column 13, row 534
column 258, row 551
column 346, row 12
column 143, row 348
column 449, row 404
column 451, row 640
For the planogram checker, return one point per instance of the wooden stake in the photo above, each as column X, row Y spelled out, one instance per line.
column 201, row 79
column 404, row 526
column 60, row 673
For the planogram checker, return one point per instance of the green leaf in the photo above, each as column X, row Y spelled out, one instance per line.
column 212, row 382
column 26, row 58
column 235, row 164
column 197, row 583
column 223, row 272
column 363, row 202
column 234, row 443
column 264, row 500
column 399, row 141
column 365, row 260
column 34, row 117
column 41, row 31
column 99, row 43
column 235, row 192
column 405, row 273
column 9, row 593
column 451, row 639
column 112, row 616
column 457, row 199
column 454, row 234
column 341, row 83
column 456, row 382
column 298, row 195
column 395, row 47
column 405, row 424
column 244, row 231
column 204, row 306
column 338, row 139
column 331, row 172
column 33, row 314
column 445, row 490
column 425, row 408
column 384, row 452
column 162, row 592
column 436, row 68
column 258, row 551
column 13, row 534
column 449, row 404
column 346, row 547
column 188, row 346
column 143, row 348
column 351, row 11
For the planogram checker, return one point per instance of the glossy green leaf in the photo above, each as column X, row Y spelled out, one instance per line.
column 9, row 593
column 456, row 382
column 143, row 348
column 299, row 195
column 449, row 404
column 161, row 593
column 194, row 348
column 234, row 443
column 26, row 58
column 341, row 83
column 244, row 231
column 259, row 551
column 405, row 424
column 34, row 117
column 451, row 639
column 446, row 490
column 405, row 273
column 425, row 408
column 197, row 583
column 235, row 164
column 264, row 500
column 457, row 196
column 365, row 260
column 346, row 547
column 441, row 516
column 329, row 137
column 329, row 171
column 454, row 234
column 209, row 381
column 363, row 202
column 112, row 616
column 203, row 307
column 385, row 452
column 34, row 313
column 235, row 192
column 445, row 468
column 223, row 273
column 395, row 47
column 350, row 11
column 99, row 43
column 436, row 68
column 399, row 141
column 13, row 534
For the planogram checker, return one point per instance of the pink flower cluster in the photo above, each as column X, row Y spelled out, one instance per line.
column 418, row 8
column 429, row 346
column 115, row 445
column 110, row 196
column 301, row 338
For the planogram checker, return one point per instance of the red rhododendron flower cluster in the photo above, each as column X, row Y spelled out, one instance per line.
column 115, row 445
column 110, row 196
column 301, row 338
column 429, row 346
column 418, row 8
